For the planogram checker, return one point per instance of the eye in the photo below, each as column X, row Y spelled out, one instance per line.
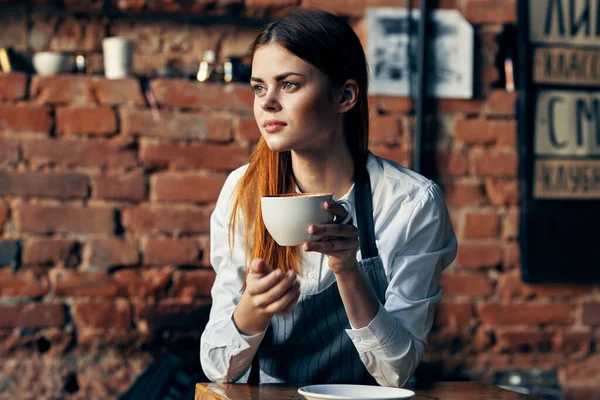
column 258, row 89
column 290, row 86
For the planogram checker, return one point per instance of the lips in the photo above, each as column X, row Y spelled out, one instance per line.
column 272, row 125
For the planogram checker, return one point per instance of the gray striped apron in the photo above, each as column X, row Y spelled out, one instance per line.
column 310, row 345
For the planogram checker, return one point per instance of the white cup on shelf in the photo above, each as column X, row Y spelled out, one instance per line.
column 117, row 52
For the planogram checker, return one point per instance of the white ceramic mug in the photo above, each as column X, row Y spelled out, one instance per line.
column 287, row 217
column 117, row 52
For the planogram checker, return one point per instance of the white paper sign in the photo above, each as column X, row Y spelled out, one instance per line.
column 392, row 45
column 572, row 22
column 567, row 123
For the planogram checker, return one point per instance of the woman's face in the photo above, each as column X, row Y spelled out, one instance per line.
column 294, row 105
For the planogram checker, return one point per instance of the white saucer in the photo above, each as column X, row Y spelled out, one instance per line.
column 354, row 392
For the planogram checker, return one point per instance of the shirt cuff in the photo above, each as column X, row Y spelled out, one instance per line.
column 375, row 334
column 237, row 341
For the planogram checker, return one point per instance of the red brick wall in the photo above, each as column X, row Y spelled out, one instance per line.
column 104, row 211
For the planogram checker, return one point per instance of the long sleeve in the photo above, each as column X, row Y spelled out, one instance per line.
column 225, row 353
column 392, row 345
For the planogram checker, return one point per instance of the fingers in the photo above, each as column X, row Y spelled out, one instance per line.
column 329, row 246
column 344, row 230
column 264, row 299
column 336, row 209
column 287, row 300
column 259, row 266
column 290, row 305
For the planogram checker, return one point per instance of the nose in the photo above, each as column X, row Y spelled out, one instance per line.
column 270, row 102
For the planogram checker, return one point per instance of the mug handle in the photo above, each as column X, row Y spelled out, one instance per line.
column 348, row 206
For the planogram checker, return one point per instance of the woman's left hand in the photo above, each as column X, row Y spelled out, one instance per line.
column 338, row 241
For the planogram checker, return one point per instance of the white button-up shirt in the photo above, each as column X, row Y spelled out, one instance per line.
column 415, row 241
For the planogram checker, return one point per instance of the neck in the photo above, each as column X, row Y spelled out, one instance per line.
column 324, row 171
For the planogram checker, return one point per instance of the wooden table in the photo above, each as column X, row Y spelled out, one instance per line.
column 437, row 391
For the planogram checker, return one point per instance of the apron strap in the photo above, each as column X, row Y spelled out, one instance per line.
column 364, row 210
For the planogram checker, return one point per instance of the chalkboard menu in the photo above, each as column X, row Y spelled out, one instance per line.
column 559, row 140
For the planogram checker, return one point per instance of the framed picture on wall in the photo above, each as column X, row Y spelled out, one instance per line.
column 392, row 46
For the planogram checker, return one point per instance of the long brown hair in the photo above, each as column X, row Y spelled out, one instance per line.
column 329, row 43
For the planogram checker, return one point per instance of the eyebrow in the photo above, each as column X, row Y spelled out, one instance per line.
column 277, row 78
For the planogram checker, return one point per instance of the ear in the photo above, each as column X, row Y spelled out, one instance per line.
column 348, row 96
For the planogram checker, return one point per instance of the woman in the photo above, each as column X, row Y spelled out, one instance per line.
column 356, row 306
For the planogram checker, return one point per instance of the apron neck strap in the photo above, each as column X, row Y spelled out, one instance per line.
column 364, row 209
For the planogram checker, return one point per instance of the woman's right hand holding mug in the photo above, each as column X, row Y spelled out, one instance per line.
column 268, row 292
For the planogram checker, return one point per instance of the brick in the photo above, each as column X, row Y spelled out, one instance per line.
column 191, row 188
column 114, row 92
column 591, row 313
column 62, row 89
column 481, row 225
column 25, row 119
column 49, row 251
column 65, row 219
column 573, row 342
column 32, row 315
column 68, row 36
column 453, row 314
column 84, row 153
column 144, row 33
column 13, row 86
column 237, row 42
column 510, row 285
column 270, row 3
column 397, row 154
column 500, row 103
column 502, row 192
column 83, row 284
column 14, row 27
column 529, row 314
column 9, row 252
column 110, row 252
column 581, row 370
column 482, row 131
column 459, row 106
column 59, row 185
column 177, row 125
column 245, row 128
column 51, row 342
column 181, row 251
column 193, row 284
column 86, row 120
column 3, row 215
column 510, row 224
column 188, row 94
column 479, row 256
column 586, row 391
column 9, row 152
column 512, row 256
column 523, row 340
column 124, row 187
column 149, row 282
column 491, row 11
column 482, row 339
column 463, row 284
column 24, row 283
column 463, row 193
column 494, row 163
column 193, row 156
column 393, row 104
column 184, row 219
column 385, row 129
column 153, row 317
column 94, row 29
column 453, row 163
column 104, row 315
column 355, row 8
